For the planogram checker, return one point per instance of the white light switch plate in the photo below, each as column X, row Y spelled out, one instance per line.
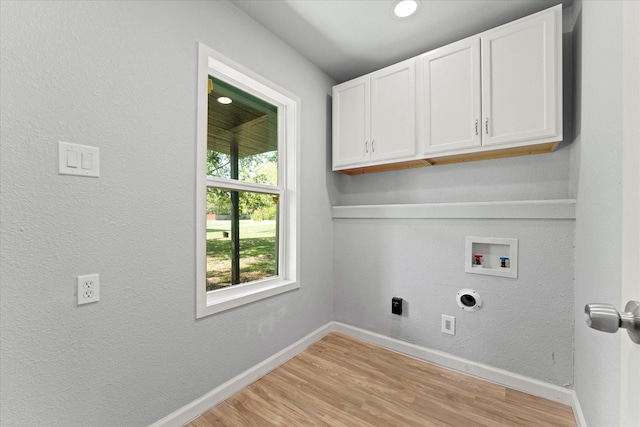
column 79, row 160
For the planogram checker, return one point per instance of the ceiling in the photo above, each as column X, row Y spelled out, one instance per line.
column 247, row 124
column 349, row 38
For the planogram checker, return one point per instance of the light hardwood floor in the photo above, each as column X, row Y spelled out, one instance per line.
column 343, row 382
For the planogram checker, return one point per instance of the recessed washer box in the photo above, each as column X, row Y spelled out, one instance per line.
column 499, row 256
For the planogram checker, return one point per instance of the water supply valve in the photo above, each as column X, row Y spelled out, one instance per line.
column 477, row 260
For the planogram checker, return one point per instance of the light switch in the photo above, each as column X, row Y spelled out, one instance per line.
column 79, row 160
column 86, row 160
column 72, row 159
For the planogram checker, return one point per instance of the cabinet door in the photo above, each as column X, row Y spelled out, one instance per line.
column 449, row 97
column 522, row 81
column 351, row 114
column 393, row 100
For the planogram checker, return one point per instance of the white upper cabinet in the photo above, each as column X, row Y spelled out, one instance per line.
column 496, row 94
column 374, row 118
column 449, row 97
column 351, row 126
column 500, row 88
column 522, row 80
column 393, row 112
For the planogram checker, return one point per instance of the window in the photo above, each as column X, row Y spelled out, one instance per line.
column 246, row 208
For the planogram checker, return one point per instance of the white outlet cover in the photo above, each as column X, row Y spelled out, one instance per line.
column 88, row 288
column 448, row 324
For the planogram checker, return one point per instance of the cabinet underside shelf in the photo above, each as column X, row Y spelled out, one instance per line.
column 386, row 167
column 456, row 158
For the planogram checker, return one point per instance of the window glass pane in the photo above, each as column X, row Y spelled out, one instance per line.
column 241, row 247
column 242, row 135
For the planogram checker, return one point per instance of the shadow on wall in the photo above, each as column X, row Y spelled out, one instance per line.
column 333, row 178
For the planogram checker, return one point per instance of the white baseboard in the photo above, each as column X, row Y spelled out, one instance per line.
column 488, row 373
column 219, row 394
column 577, row 411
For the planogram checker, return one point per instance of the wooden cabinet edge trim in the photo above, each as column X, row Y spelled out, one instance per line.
column 495, row 154
column 385, row 167
column 456, row 158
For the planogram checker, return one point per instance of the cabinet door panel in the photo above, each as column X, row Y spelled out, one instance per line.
column 449, row 91
column 350, row 123
column 520, row 81
column 393, row 112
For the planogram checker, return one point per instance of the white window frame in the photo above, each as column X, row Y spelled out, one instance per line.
column 211, row 62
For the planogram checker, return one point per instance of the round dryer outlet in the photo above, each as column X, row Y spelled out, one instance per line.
column 469, row 300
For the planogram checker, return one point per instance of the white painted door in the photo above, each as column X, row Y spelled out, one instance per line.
column 630, row 352
column 521, row 80
column 351, row 126
column 393, row 114
column 449, row 97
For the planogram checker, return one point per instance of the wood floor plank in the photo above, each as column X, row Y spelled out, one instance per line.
column 343, row 382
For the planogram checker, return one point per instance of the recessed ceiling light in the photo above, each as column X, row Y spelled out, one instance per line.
column 406, row 8
column 224, row 100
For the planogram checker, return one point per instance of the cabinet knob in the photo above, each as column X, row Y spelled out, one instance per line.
column 373, row 146
column 476, row 127
column 486, row 125
column 366, row 147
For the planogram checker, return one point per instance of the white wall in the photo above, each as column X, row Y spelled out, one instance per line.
column 525, row 324
column 598, row 152
column 537, row 177
column 121, row 76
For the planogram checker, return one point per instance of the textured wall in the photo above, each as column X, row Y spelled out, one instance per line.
column 537, row 177
column 525, row 325
column 121, row 76
column 598, row 214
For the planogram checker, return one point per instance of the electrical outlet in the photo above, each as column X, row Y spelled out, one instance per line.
column 396, row 305
column 448, row 324
column 88, row 288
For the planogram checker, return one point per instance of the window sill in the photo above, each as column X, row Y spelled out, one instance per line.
column 238, row 295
